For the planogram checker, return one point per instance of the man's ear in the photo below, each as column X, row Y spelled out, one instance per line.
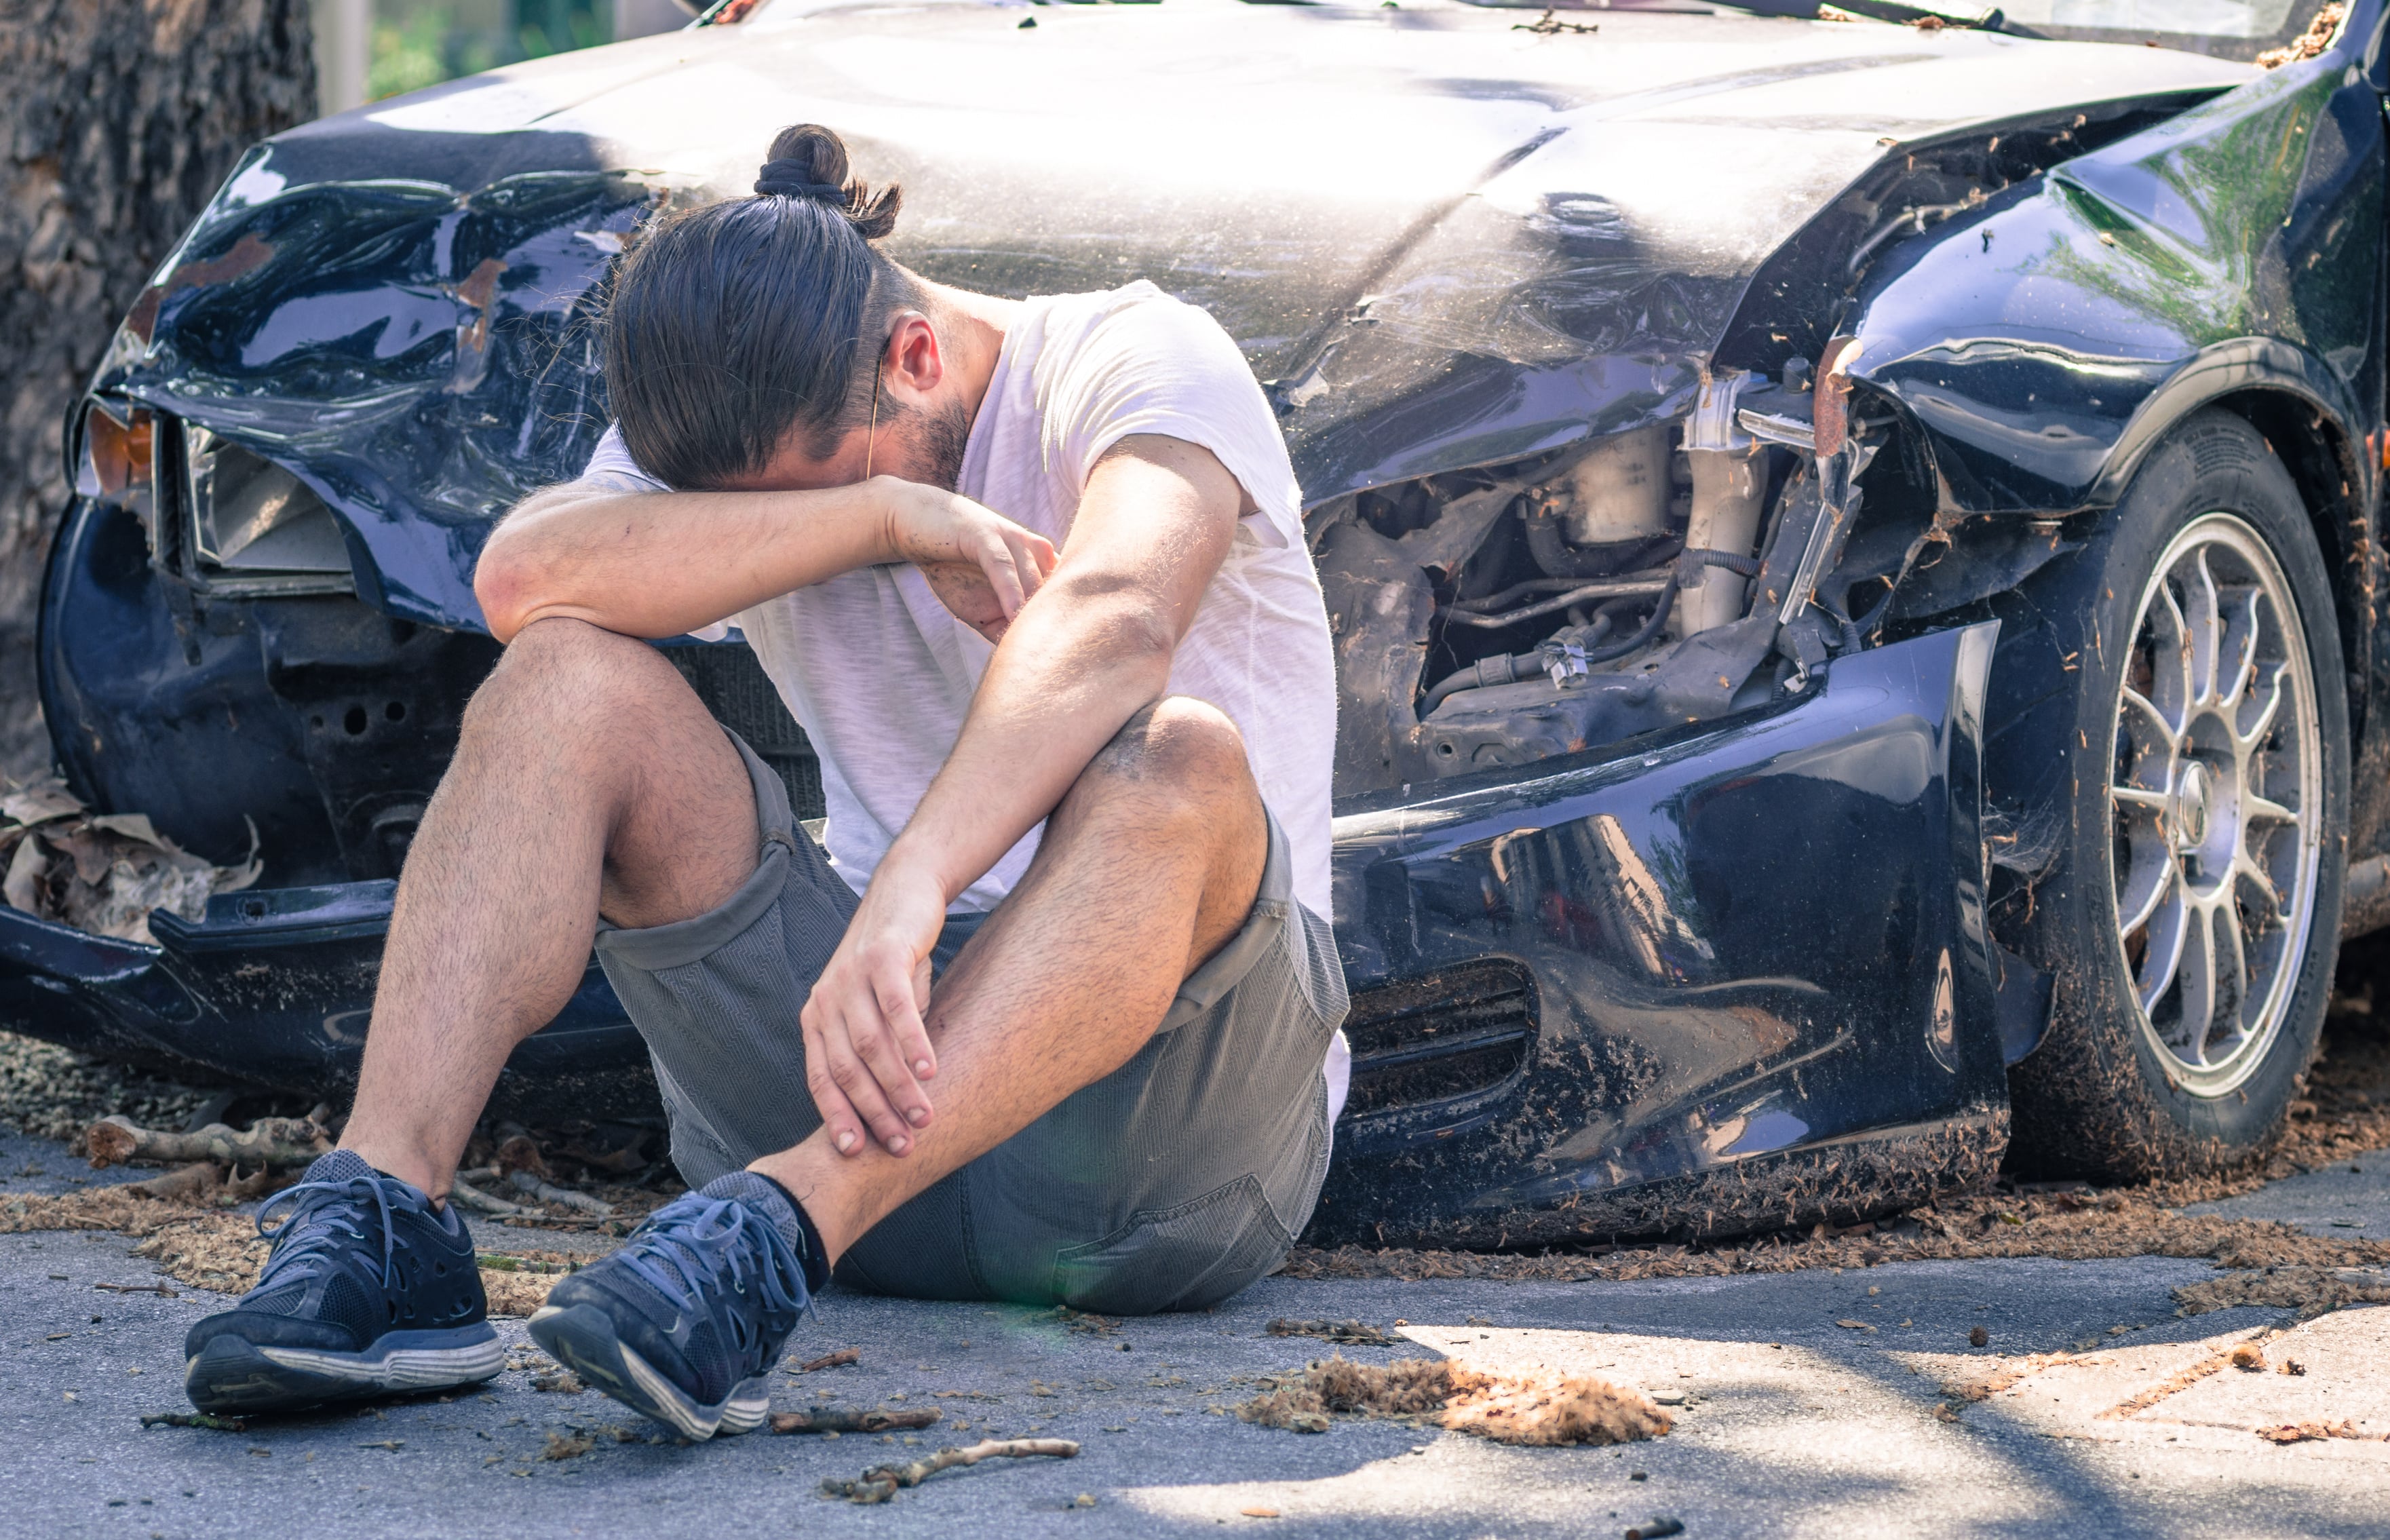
column 915, row 364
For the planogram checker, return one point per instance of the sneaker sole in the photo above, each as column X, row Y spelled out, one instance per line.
column 232, row 1374
column 582, row 1338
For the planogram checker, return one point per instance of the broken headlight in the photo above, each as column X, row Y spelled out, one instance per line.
column 255, row 527
column 117, row 461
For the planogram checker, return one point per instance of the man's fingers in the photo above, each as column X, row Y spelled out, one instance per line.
column 893, row 1041
column 838, row 1114
column 1003, row 575
column 907, row 1046
column 863, row 1091
column 1036, row 555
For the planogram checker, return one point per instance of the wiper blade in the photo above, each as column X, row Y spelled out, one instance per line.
column 1992, row 21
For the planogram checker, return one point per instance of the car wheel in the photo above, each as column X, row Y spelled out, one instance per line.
column 2168, row 774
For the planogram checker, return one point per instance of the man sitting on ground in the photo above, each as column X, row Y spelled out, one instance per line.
column 1077, row 854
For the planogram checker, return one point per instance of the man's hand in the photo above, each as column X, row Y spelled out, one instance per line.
column 867, row 1050
column 983, row 566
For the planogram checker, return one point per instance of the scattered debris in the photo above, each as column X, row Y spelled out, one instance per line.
column 102, row 873
column 117, row 1140
column 1653, row 1529
column 2248, row 1357
column 1351, row 1333
column 392, row 1445
column 2308, row 44
column 1854, row 1325
column 1550, row 25
column 158, row 1289
column 52, row 1093
column 2311, row 1291
column 1978, row 1337
column 879, row 1483
column 194, row 1419
column 837, row 1360
column 2181, row 1379
column 1080, row 1321
column 1532, row 1408
column 506, row 1261
column 2291, row 1366
column 2300, row 1432
column 565, row 1447
column 850, row 1420
column 1551, row 1409
column 562, row 1381
column 1259, row 1513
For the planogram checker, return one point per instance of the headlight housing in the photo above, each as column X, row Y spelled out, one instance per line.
column 218, row 516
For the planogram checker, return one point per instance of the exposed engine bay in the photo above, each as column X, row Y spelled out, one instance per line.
column 1638, row 580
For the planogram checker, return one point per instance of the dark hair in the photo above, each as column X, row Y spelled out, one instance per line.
column 730, row 325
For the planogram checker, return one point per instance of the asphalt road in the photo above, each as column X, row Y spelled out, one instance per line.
column 1788, row 1424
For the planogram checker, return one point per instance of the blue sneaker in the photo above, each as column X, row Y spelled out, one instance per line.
column 683, row 1321
column 369, row 1291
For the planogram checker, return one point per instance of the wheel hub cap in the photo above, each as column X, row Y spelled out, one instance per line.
column 2191, row 806
column 2216, row 802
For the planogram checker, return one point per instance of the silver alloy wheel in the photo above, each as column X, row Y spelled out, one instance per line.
column 2215, row 800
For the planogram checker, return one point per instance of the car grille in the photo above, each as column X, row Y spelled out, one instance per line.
column 1441, row 1044
column 743, row 699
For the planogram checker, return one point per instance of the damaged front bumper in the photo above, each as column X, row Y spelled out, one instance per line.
column 1740, row 976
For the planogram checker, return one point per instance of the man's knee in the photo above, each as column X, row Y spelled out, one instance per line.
column 1178, row 744
column 559, row 673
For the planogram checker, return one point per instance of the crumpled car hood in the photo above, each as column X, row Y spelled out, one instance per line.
column 1442, row 238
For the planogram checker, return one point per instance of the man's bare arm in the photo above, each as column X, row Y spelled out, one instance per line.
column 661, row 563
column 1094, row 647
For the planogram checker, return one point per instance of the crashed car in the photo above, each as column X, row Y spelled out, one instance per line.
column 1851, row 546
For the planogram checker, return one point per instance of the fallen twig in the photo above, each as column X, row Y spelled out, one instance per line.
column 270, row 1141
column 194, row 1419
column 158, row 1289
column 837, row 1360
column 848, row 1419
column 475, row 1199
column 548, row 1193
column 881, row 1483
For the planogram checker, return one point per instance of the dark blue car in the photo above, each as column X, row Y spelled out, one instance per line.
column 1852, row 546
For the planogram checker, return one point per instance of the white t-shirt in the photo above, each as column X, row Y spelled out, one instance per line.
column 881, row 674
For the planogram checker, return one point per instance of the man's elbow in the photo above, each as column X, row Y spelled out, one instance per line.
column 505, row 581
column 500, row 590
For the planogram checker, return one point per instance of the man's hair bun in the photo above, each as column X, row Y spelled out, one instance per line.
column 809, row 161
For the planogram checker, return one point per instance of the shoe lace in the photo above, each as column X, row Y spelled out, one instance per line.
column 690, row 1242
column 309, row 1239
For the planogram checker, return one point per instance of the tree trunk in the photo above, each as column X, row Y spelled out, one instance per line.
column 121, row 116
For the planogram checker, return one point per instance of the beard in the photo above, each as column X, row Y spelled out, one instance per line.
column 934, row 442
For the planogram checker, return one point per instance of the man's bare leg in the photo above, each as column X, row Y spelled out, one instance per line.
column 1150, row 865
column 590, row 779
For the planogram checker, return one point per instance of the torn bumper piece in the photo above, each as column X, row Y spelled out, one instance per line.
column 1733, row 981
column 274, row 986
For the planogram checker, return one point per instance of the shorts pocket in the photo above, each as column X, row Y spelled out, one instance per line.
column 1187, row 1257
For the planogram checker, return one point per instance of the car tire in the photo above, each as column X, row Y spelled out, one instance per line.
column 2184, row 785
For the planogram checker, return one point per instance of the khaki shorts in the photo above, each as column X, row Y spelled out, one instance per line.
column 1168, row 1185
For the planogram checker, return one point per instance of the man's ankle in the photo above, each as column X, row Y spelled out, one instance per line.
column 781, row 1209
column 405, row 1161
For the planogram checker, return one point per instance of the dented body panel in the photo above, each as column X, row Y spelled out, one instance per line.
column 1686, row 937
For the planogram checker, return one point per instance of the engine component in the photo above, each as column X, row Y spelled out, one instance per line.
column 1619, row 492
column 1730, row 485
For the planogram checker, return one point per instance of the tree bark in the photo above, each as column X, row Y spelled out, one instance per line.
column 118, row 120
